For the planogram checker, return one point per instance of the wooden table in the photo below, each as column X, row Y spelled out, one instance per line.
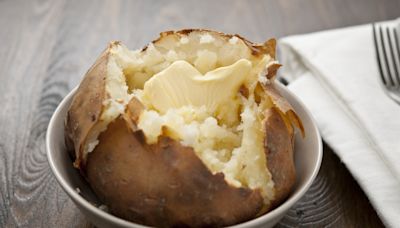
column 48, row 45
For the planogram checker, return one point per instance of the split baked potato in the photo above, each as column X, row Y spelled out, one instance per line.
column 189, row 131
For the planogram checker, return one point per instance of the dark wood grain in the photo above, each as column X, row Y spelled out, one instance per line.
column 48, row 45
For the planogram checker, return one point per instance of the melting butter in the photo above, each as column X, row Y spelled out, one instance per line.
column 181, row 84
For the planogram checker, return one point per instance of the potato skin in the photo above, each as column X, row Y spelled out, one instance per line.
column 86, row 107
column 279, row 146
column 165, row 184
column 268, row 47
column 284, row 107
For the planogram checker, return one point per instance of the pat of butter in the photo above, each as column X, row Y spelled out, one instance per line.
column 181, row 84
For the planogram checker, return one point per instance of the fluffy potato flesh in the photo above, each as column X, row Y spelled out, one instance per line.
column 205, row 93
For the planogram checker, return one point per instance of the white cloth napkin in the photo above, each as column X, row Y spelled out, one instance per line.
column 336, row 75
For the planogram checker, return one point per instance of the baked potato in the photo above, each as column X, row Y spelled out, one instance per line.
column 189, row 131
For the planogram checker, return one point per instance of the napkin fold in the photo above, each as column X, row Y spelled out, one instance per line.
column 335, row 73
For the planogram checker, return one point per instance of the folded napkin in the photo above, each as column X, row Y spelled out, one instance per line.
column 335, row 73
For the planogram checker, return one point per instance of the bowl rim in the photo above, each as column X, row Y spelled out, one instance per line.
column 79, row 199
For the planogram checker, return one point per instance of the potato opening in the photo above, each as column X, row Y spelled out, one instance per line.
column 202, row 89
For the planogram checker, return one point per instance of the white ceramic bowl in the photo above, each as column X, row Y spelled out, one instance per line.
column 308, row 156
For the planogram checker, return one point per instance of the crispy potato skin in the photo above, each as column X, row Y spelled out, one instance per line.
column 163, row 184
column 283, row 106
column 86, row 106
column 279, row 146
column 268, row 47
